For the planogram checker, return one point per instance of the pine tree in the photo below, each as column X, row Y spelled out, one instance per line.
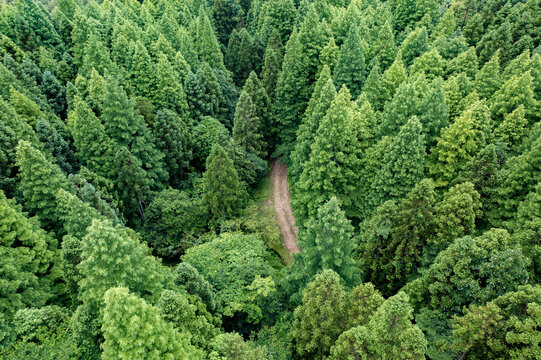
column 459, row 142
column 513, row 128
column 319, row 320
column 331, row 169
column 75, row 215
column 271, row 67
column 381, row 89
column 27, row 256
column 94, row 148
column 465, row 62
column 227, row 14
column 128, row 336
column 170, row 92
column 126, row 127
column 40, row 181
column 431, row 63
column 254, row 88
column 101, row 248
column 390, row 334
column 394, row 239
column 206, row 44
column 241, row 56
column 385, row 48
column 56, row 145
column 327, row 243
column 174, row 140
column 434, row 112
column 143, row 72
column 322, row 97
column 223, row 193
column 414, row 45
column 203, row 93
column 521, row 178
column 518, row 90
column 247, row 128
column 487, row 80
column 403, row 164
column 328, row 56
column 350, row 68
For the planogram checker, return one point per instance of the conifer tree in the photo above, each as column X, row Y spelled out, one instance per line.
column 521, row 177
column 203, row 93
column 128, row 336
column 327, row 243
column 385, row 48
column 170, row 92
column 313, row 36
column 331, row 169
column 143, row 72
column 393, row 256
column 513, row 128
column 247, row 127
column 223, row 193
column 434, row 112
column 75, row 215
column 205, row 41
column 414, row 45
column 322, row 97
column 403, row 164
column 329, row 55
column 173, row 139
column 101, row 248
column 319, row 319
column 94, row 148
column 381, row 89
column 465, row 62
column 40, row 181
column 390, row 334
column 126, row 127
column 459, row 142
column 56, row 145
column 272, row 65
column 241, row 57
column 431, row 63
column 350, row 68
column 487, row 80
column 26, row 260
column 516, row 91
column 254, row 88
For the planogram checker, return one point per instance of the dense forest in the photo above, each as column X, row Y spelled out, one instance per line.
column 136, row 142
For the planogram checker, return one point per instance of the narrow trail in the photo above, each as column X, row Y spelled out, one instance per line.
column 282, row 206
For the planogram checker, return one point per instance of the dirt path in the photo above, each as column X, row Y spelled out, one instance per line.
column 280, row 200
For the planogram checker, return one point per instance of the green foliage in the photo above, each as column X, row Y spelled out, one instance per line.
column 326, row 243
column 230, row 346
column 235, row 266
column 223, row 194
column 390, row 334
column 350, row 67
column 203, row 92
column 331, row 169
column 27, row 257
column 205, row 41
column 173, row 220
column 174, row 140
column 40, row 181
column 247, row 126
column 402, row 166
column 319, row 320
column 127, row 336
column 506, row 327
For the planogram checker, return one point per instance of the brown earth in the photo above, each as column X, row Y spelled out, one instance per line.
column 280, row 200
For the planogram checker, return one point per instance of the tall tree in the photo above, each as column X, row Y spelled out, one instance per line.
column 254, row 88
column 322, row 97
column 327, row 243
column 173, row 138
column 128, row 336
column 333, row 164
column 390, row 334
column 40, row 181
column 247, row 126
column 403, row 164
column 205, row 41
column 350, row 68
column 223, row 193
column 319, row 319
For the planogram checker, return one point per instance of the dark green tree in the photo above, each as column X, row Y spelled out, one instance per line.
column 174, row 140
column 403, row 164
column 205, row 41
column 350, row 68
column 223, row 194
column 248, row 127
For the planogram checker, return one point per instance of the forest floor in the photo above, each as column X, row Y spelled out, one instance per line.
column 280, row 199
